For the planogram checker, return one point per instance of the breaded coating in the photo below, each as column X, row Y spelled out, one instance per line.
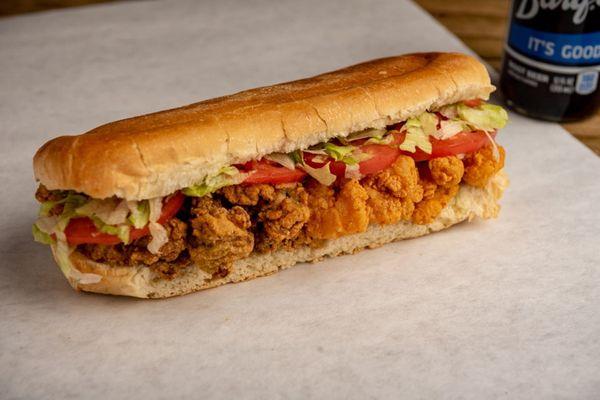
column 426, row 210
column 429, row 188
column 219, row 235
column 335, row 213
column 247, row 195
column 440, row 181
column 176, row 231
column 171, row 254
column 236, row 220
column 446, row 171
column 481, row 165
column 278, row 212
column 282, row 217
column 393, row 192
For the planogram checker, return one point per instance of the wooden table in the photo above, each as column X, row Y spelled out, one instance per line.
column 481, row 24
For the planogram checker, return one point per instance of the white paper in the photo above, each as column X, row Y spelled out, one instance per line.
column 498, row 309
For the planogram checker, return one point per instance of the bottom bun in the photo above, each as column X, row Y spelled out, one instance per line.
column 141, row 281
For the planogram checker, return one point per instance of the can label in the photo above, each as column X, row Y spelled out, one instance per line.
column 552, row 53
column 556, row 48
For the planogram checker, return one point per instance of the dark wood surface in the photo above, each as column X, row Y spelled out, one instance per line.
column 480, row 24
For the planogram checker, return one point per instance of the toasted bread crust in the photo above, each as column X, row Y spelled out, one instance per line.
column 157, row 154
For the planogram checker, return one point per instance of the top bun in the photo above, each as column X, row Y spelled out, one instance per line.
column 156, row 154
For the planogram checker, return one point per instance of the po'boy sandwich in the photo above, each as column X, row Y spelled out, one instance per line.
column 242, row 186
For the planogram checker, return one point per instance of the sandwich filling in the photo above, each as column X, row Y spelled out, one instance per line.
column 405, row 172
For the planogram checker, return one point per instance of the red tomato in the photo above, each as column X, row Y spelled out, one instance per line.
column 472, row 102
column 382, row 156
column 265, row 172
column 461, row 143
column 82, row 230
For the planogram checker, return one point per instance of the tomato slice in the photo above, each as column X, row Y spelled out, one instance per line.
column 472, row 102
column 461, row 143
column 82, row 230
column 264, row 171
column 382, row 156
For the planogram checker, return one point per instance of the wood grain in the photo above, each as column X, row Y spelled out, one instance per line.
column 480, row 24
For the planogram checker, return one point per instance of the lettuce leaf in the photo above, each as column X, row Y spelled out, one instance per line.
column 428, row 123
column 449, row 111
column 121, row 231
column 323, row 175
column 384, row 139
column 282, row 159
column 155, row 205
column 63, row 253
column 415, row 137
column 225, row 177
column 366, row 134
column 349, row 155
column 353, row 172
column 450, row 128
column 40, row 236
column 159, row 237
column 139, row 213
column 338, row 153
column 109, row 211
column 486, row 117
column 47, row 206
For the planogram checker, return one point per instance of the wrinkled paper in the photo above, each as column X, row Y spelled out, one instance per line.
column 498, row 309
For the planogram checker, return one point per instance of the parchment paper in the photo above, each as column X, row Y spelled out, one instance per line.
column 499, row 309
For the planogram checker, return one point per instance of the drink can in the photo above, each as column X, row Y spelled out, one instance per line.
column 551, row 63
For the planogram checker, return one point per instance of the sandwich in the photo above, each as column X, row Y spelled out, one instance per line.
column 241, row 186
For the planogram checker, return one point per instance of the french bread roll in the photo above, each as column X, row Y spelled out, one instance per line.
column 156, row 154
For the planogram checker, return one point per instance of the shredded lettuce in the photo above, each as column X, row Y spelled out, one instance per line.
column 415, row 137
column 366, row 134
column 449, row 111
column 47, row 206
column 449, row 128
column 384, row 139
column 349, row 155
column 353, row 172
column 109, row 211
column 63, row 253
column 487, row 117
column 139, row 213
column 495, row 150
column 159, row 237
column 121, row 230
column 55, row 225
column 72, row 203
column 40, row 236
column 155, row 206
column 296, row 155
column 282, row 159
column 225, row 177
column 323, row 175
column 47, row 224
column 428, row 123
column 338, row 153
